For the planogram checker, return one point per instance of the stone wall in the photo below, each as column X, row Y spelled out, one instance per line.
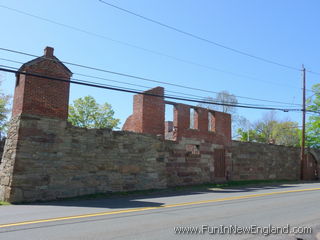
column 192, row 161
column 263, row 161
column 2, row 142
column 47, row 158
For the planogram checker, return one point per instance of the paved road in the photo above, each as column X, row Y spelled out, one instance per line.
column 155, row 216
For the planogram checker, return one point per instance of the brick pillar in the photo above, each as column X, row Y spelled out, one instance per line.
column 223, row 125
column 181, row 119
column 148, row 113
column 41, row 96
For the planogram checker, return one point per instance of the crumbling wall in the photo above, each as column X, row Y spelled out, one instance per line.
column 149, row 117
column 220, row 122
column 148, row 113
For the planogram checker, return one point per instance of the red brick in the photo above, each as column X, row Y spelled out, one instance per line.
column 42, row 96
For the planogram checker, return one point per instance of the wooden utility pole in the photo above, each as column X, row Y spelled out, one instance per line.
column 303, row 120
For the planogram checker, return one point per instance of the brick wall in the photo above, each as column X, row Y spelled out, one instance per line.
column 148, row 113
column 220, row 122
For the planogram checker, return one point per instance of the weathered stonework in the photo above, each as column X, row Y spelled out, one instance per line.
column 262, row 161
column 51, row 159
column 8, row 160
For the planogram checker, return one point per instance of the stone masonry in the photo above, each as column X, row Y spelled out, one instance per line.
column 251, row 161
column 50, row 159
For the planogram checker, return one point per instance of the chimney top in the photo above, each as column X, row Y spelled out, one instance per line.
column 48, row 52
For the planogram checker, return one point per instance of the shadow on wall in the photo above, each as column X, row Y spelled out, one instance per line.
column 2, row 143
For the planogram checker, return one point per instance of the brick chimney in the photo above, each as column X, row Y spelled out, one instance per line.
column 48, row 52
column 39, row 95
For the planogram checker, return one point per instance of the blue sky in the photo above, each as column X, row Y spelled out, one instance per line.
column 285, row 31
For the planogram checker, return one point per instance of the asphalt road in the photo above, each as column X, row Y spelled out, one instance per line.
column 158, row 216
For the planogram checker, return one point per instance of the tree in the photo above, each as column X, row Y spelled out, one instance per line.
column 86, row 112
column 4, row 111
column 225, row 97
column 287, row 133
column 313, row 125
column 271, row 130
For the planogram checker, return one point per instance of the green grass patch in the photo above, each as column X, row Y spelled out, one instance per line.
column 4, row 203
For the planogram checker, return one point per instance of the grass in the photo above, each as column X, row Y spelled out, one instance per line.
column 4, row 203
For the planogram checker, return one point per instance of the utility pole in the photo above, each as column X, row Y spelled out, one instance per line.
column 303, row 121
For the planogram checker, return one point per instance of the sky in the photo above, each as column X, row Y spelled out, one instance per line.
column 100, row 36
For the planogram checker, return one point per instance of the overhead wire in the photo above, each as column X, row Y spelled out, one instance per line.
column 200, row 38
column 147, row 87
column 115, row 88
column 138, row 77
column 195, row 97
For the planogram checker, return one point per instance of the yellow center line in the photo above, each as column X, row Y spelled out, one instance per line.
column 153, row 208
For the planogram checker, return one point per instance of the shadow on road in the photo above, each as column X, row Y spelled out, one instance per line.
column 140, row 200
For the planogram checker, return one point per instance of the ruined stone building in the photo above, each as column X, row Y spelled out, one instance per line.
column 46, row 158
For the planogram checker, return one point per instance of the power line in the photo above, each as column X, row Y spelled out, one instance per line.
column 197, row 97
column 137, row 85
column 140, row 78
column 169, row 91
column 316, row 73
column 200, row 38
column 140, row 48
column 115, row 88
column 10, row 60
column 13, row 61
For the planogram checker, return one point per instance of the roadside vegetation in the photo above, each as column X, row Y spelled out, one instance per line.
column 270, row 128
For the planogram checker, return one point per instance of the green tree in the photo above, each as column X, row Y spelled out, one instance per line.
column 287, row 133
column 270, row 129
column 86, row 112
column 313, row 125
column 4, row 111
